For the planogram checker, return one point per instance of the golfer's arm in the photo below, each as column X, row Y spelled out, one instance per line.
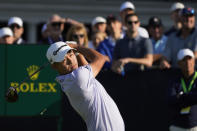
column 96, row 59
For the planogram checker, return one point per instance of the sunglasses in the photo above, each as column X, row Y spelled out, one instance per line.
column 55, row 24
column 14, row 26
column 75, row 36
column 131, row 22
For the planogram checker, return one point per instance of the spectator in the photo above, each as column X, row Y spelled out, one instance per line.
column 182, row 96
column 133, row 50
column 128, row 8
column 155, row 29
column 175, row 16
column 6, row 36
column 97, row 38
column 78, row 33
column 106, row 47
column 44, row 31
column 16, row 24
column 55, row 27
column 99, row 24
column 185, row 38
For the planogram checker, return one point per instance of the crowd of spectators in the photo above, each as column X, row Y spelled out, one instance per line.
column 128, row 45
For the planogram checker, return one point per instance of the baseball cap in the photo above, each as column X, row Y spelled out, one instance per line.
column 155, row 21
column 15, row 20
column 184, row 52
column 5, row 31
column 127, row 5
column 188, row 11
column 97, row 20
column 57, row 51
column 176, row 6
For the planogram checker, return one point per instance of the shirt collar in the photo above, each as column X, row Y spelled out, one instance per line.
column 180, row 31
column 190, row 78
column 135, row 39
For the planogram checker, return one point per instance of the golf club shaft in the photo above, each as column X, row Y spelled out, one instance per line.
column 28, row 77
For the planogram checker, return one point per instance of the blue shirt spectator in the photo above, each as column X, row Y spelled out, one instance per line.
column 185, row 38
column 159, row 45
column 106, row 47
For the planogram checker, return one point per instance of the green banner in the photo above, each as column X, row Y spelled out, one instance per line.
column 39, row 95
column 2, row 79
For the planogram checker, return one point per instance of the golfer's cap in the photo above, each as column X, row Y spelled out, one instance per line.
column 15, row 20
column 5, row 31
column 97, row 20
column 183, row 53
column 57, row 51
column 177, row 6
column 127, row 5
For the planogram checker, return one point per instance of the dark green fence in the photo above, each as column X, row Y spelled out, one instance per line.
column 39, row 95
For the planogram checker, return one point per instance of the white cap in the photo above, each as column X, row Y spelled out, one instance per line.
column 127, row 5
column 15, row 20
column 98, row 19
column 5, row 31
column 57, row 51
column 184, row 52
column 176, row 6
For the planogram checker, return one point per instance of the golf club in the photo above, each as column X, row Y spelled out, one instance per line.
column 12, row 94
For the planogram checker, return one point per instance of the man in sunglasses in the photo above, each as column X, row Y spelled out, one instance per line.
column 77, row 79
column 126, row 8
column 185, row 38
column 16, row 24
column 54, row 27
column 133, row 52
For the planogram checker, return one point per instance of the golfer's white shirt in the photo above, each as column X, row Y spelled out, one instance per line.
column 89, row 98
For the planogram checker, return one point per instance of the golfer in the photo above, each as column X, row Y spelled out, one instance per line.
column 77, row 79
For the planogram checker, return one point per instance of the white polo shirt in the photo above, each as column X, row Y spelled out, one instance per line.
column 89, row 98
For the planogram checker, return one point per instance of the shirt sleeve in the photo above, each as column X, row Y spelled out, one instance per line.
column 195, row 44
column 82, row 76
column 148, row 46
column 101, row 48
column 167, row 50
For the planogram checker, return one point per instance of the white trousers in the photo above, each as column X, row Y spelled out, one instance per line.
column 176, row 128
